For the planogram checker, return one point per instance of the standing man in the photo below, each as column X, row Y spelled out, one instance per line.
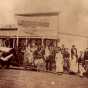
column 64, row 56
column 47, row 57
column 63, row 50
column 86, row 59
column 51, row 57
column 66, row 60
column 81, row 64
column 39, row 60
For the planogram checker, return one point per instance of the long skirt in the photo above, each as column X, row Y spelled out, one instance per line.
column 59, row 63
column 73, row 65
column 66, row 64
column 40, row 64
column 81, row 69
column 28, row 59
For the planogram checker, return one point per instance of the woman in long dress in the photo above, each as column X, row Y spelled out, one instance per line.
column 59, row 61
column 74, row 60
column 28, row 56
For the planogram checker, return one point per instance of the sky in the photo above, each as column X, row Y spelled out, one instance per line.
column 6, row 12
column 73, row 13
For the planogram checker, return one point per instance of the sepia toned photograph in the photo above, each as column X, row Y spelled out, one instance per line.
column 43, row 43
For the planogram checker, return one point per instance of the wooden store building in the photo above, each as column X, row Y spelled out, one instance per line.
column 41, row 28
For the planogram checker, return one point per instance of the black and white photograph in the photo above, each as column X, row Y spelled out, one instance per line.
column 43, row 43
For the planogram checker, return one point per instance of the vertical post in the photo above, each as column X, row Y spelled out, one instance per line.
column 0, row 42
column 13, row 43
column 42, row 42
column 17, row 42
column 26, row 41
column 58, row 36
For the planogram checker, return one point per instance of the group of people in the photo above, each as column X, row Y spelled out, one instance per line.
column 58, row 59
column 51, row 58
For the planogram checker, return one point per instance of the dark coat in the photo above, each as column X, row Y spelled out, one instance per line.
column 86, row 55
column 74, row 53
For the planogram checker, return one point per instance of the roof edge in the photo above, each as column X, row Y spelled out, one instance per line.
column 38, row 14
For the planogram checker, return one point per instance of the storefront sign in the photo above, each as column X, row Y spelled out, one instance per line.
column 32, row 23
column 43, row 25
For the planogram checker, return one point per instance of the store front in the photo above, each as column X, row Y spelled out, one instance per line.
column 20, row 44
column 39, row 28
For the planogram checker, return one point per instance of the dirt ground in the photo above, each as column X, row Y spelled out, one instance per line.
column 11, row 78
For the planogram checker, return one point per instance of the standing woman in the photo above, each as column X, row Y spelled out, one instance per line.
column 28, row 57
column 59, row 61
column 74, row 60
